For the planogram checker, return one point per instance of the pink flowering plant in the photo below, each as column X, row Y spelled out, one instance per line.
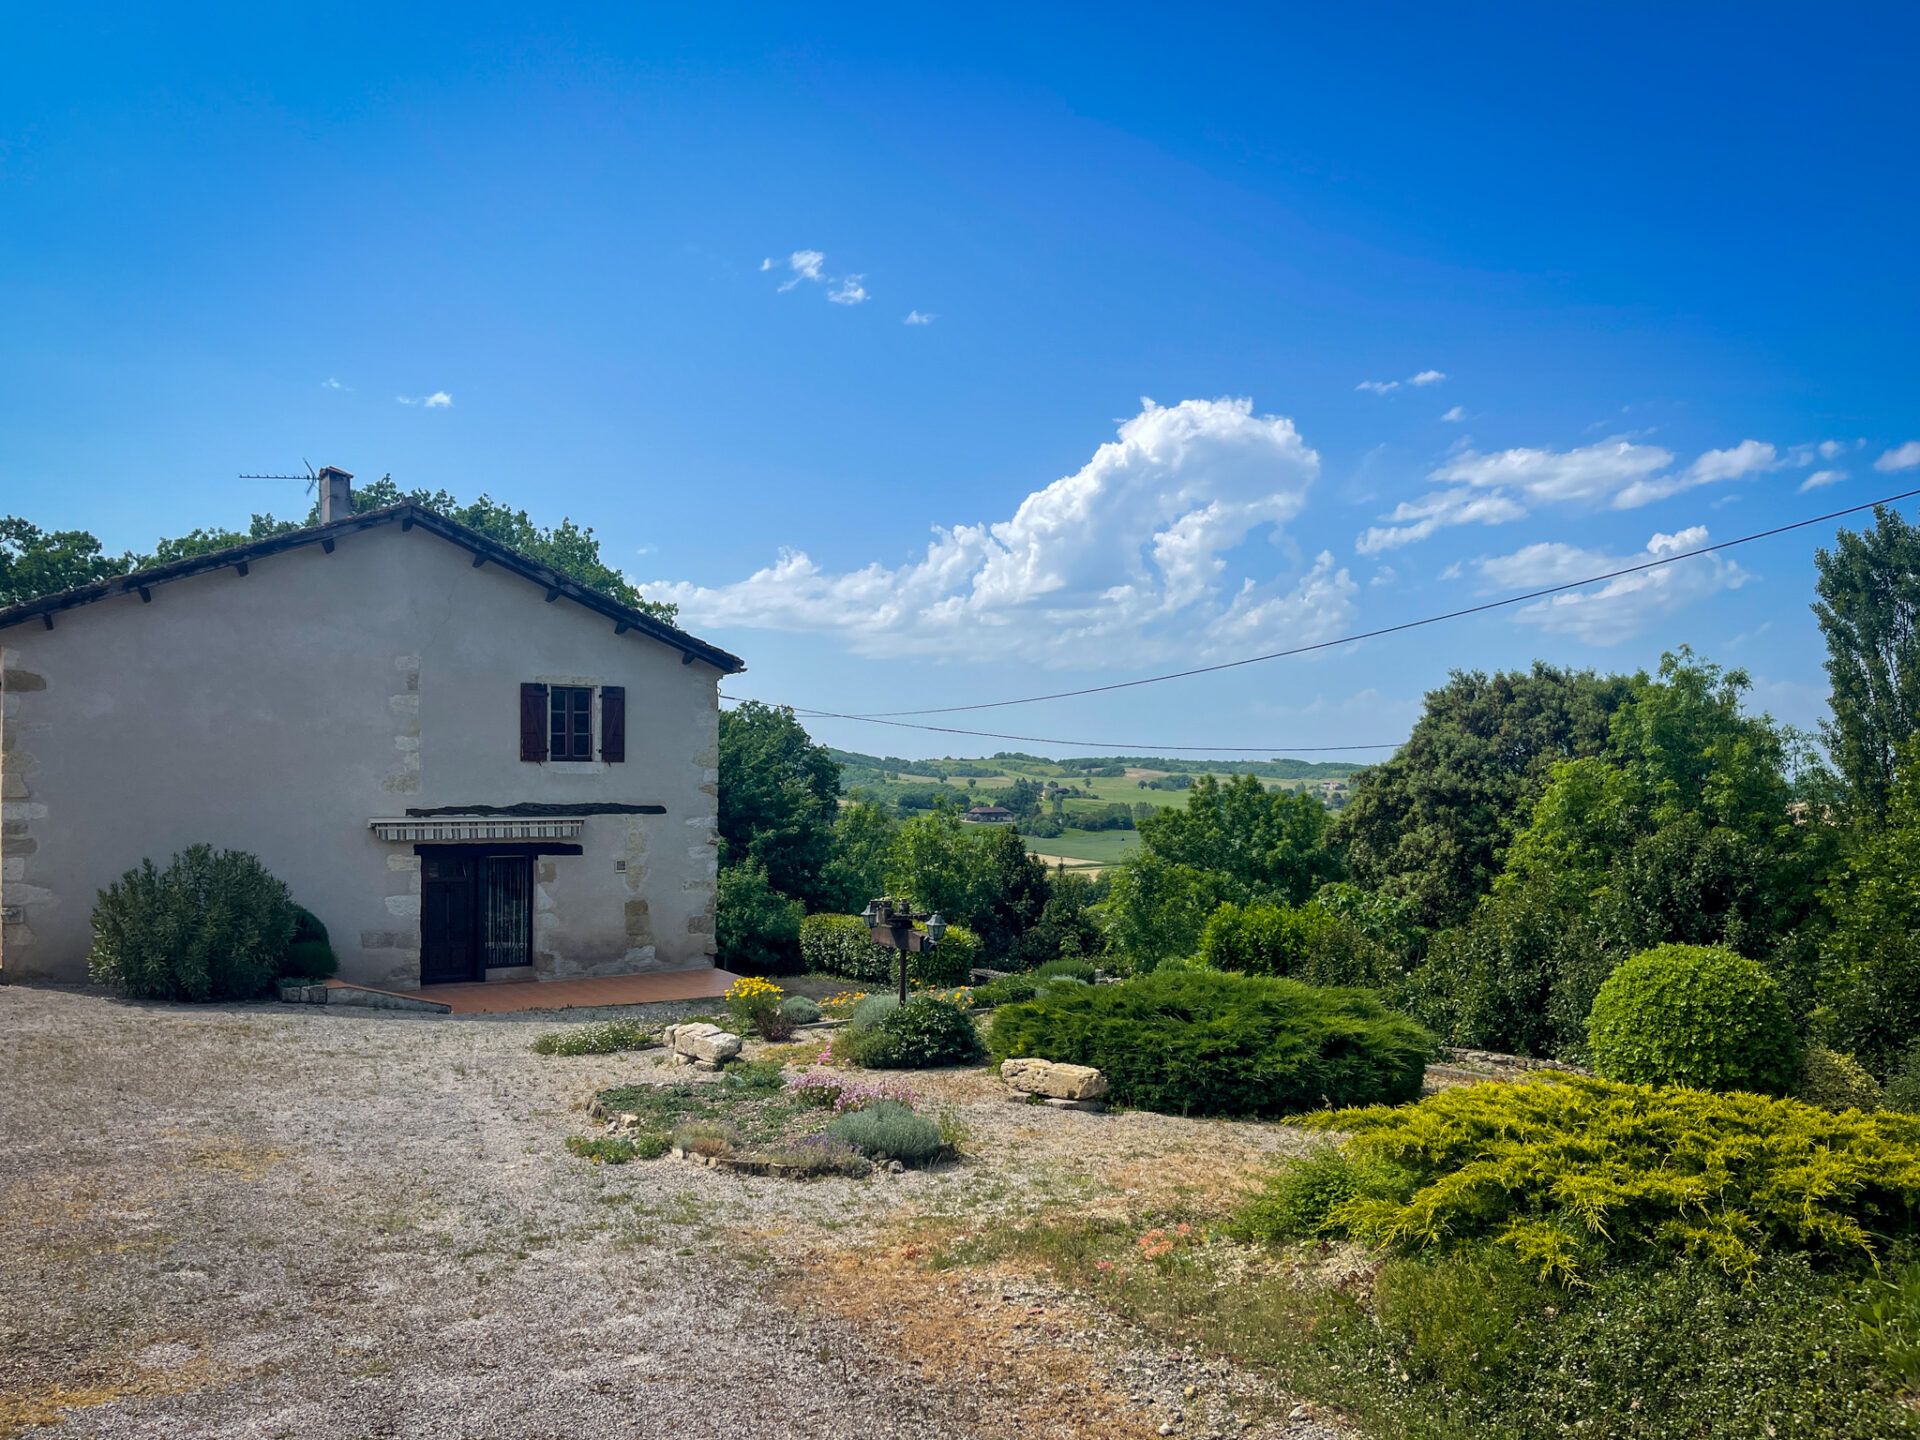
column 843, row 1093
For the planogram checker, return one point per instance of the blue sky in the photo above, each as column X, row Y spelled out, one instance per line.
column 1244, row 327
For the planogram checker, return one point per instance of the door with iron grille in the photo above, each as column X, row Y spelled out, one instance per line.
column 476, row 914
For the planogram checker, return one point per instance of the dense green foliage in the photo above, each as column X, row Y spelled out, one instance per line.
column 1431, row 824
column 1574, row 1174
column 1870, row 965
column 1682, row 831
column 310, row 953
column 1694, row 1015
column 843, row 945
column 1234, row 842
column 778, row 796
column 1310, row 942
column 856, row 867
column 919, row 1035
column 1869, row 611
column 1201, row 1042
column 1836, row 1081
column 756, row 929
column 214, row 925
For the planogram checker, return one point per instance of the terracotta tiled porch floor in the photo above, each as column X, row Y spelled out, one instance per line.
column 499, row 998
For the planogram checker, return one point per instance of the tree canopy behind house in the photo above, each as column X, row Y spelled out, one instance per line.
column 36, row 562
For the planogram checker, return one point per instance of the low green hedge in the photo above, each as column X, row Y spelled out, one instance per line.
column 1201, row 1042
column 842, row 945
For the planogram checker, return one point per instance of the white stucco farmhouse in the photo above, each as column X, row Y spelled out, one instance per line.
column 467, row 765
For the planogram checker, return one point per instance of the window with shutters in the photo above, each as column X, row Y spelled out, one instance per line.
column 557, row 722
column 569, row 722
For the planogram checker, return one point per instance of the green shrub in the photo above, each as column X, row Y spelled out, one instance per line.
column 1307, row 942
column 1008, row 990
column 842, row 945
column 1299, row 1201
column 815, row 1155
column 1212, row 1043
column 918, row 1035
column 756, row 928
column 214, row 925
column 608, row 1038
column 1903, row 1085
column 868, row 1012
column 1070, row 968
column 800, row 1010
column 1836, row 1082
column 1694, row 1015
column 618, row 1149
column 888, row 1130
column 1573, row 1173
column 310, row 953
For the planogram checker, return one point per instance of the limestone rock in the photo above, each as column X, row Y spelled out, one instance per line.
column 1054, row 1080
column 700, row 1042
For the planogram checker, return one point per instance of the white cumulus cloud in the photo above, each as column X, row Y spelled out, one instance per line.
column 1140, row 547
column 1413, row 520
column 919, row 317
column 1822, row 477
column 848, row 290
column 1455, row 415
column 1378, row 387
column 1427, row 377
column 438, row 400
column 1622, row 607
column 805, row 265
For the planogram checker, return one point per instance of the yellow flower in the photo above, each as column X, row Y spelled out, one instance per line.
column 752, row 987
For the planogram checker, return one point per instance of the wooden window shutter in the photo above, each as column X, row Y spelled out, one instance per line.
column 533, row 722
column 613, row 722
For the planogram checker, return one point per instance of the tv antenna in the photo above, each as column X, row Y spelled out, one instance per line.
column 309, row 480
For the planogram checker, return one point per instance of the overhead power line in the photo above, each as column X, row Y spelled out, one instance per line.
column 1114, row 747
column 1404, row 625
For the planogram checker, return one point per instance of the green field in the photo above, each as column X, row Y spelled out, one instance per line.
column 1104, row 847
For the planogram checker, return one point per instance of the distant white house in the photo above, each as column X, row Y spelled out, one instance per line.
column 467, row 765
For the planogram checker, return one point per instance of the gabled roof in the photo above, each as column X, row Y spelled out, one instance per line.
column 484, row 551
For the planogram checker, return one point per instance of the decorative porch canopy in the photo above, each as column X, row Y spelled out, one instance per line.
column 455, row 829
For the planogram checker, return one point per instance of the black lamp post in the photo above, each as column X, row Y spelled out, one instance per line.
column 891, row 923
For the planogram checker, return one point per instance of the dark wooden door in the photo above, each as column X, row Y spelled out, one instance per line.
column 447, row 949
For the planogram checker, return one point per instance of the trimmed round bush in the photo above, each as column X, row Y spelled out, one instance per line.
column 214, row 925
column 869, row 1010
column 1694, row 1015
column 918, row 1035
column 1209, row 1043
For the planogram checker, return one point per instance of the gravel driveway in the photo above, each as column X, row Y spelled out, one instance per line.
column 296, row 1221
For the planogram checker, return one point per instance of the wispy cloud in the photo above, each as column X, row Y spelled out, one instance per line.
column 1901, row 457
column 805, row 265
column 1822, row 477
column 919, row 317
column 1454, row 416
column 438, row 400
column 1387, row 387
column 1617, row 474
column 1622, row 607
column 848, row 291
column 1140, row 547
column 332, row 384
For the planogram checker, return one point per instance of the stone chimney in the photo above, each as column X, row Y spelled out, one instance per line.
column 336, row 494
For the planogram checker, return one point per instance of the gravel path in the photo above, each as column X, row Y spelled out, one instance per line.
column 271, row 1220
